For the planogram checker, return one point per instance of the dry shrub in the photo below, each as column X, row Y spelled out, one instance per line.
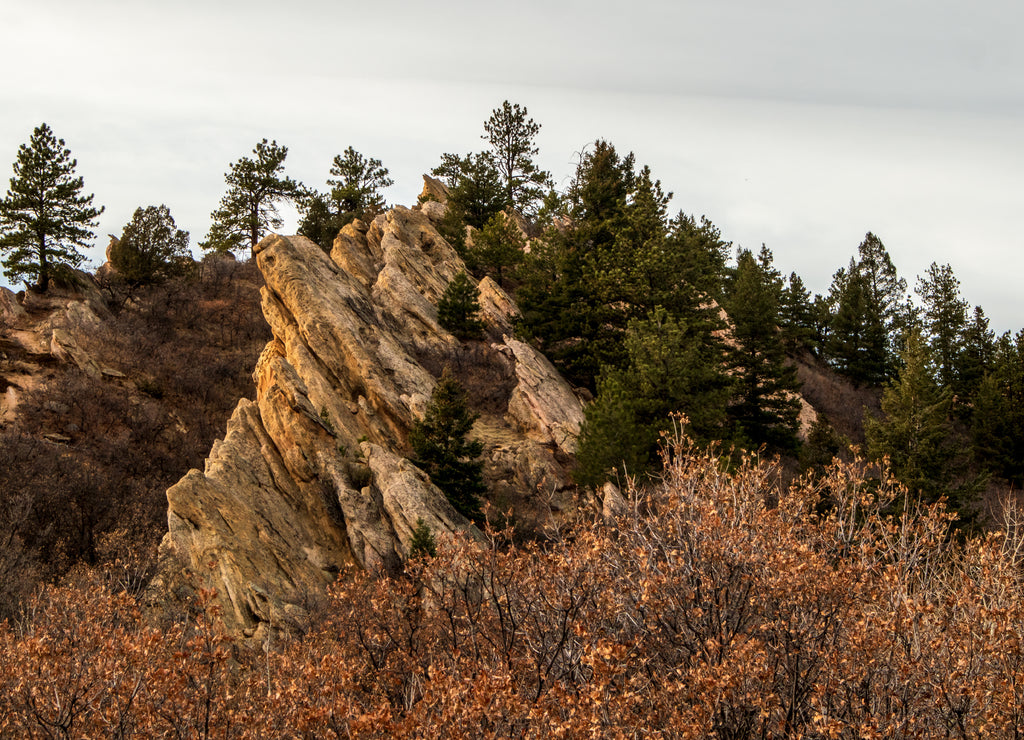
column 715, row 606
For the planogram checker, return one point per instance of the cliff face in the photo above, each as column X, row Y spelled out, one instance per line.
column 313, row 475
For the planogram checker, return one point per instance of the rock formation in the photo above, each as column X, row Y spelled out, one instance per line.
column 312, row 476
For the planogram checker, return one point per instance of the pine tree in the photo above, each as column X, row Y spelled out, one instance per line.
column 475, row 191
column 797, row 316
column 945, row 318
column 997, row 421
column 700, row 254
column 765, row 407
column 857, row 341
column 886, row 294
column 422, row 543
column 915, row 430
column 976, row 356
column 675, row 366
column 458, row 308
column 512, row 137
column 603, row 266
column 151, row 248
column 354, row 194
column 249, row 208
column 868, row 317
column 498, row 249
column 44, row 218
column 441, row 449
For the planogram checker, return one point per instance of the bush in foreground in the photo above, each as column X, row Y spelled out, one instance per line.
column 714, row 606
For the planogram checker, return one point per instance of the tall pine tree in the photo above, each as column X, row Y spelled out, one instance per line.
column 44, row 218
column 945, row 319
column 765, row 407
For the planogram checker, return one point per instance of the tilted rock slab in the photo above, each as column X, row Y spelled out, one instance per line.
column 312, row 476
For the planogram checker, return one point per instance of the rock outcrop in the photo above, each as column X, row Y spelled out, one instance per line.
column 312, row 476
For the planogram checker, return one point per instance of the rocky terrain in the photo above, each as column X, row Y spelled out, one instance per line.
column 313, row 475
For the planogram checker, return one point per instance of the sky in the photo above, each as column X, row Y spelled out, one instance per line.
column 798, row 124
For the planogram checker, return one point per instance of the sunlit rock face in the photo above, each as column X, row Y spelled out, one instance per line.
column 313, row 475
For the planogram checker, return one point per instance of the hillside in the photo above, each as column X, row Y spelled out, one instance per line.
column 104, row 406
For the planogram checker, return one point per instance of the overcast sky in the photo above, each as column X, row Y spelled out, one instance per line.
column 799, row 124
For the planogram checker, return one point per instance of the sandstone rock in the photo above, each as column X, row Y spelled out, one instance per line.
column 64, row 329
column 434, row 211
column 311, row 476
column 613, row 505
column 543, row 404
column 10, row 310
column 433, row 189
column 497, row 309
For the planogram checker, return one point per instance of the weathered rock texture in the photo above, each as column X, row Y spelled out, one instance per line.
column 313, row 475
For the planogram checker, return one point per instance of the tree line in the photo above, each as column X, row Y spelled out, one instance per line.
column 649, row 313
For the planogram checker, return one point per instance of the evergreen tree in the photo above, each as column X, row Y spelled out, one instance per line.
column 797, row 316
column 604, row 266
column 675, row 366
column 976, row 356
column 151, row 248
column 355, row 193
column 765, row 407
column 458, row 308
column 441, row 449
column 886, row 293
column 823, row 445
column 945, row 319
column 498, row 249
column 475, row 191
column 701, row 254
column 997, row 421
column 249, row 208
column 44, row 218
column 868, row 317
column 512, row 138
column 915, row 430
column 422, row 543
column 857, row 341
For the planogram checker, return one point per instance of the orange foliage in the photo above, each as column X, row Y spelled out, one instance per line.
column 715, row 606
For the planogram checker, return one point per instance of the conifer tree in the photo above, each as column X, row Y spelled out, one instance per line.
column 441, row 448
column 700, row 254
column 868, row 315
column 512, row 136
column 944, row 319
column 765, row 407
column 498, row 249
column 976, row 356
column 249, row 208
column 422, row 543
column 997, row 421
column 604, row 267
column 915, row 430
column 675, row 366
column 458, row 308
column 886, row 294
column 797, row 316
column 355, row 193
column 857, row 340
column 44, row 218
column 151, row 247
